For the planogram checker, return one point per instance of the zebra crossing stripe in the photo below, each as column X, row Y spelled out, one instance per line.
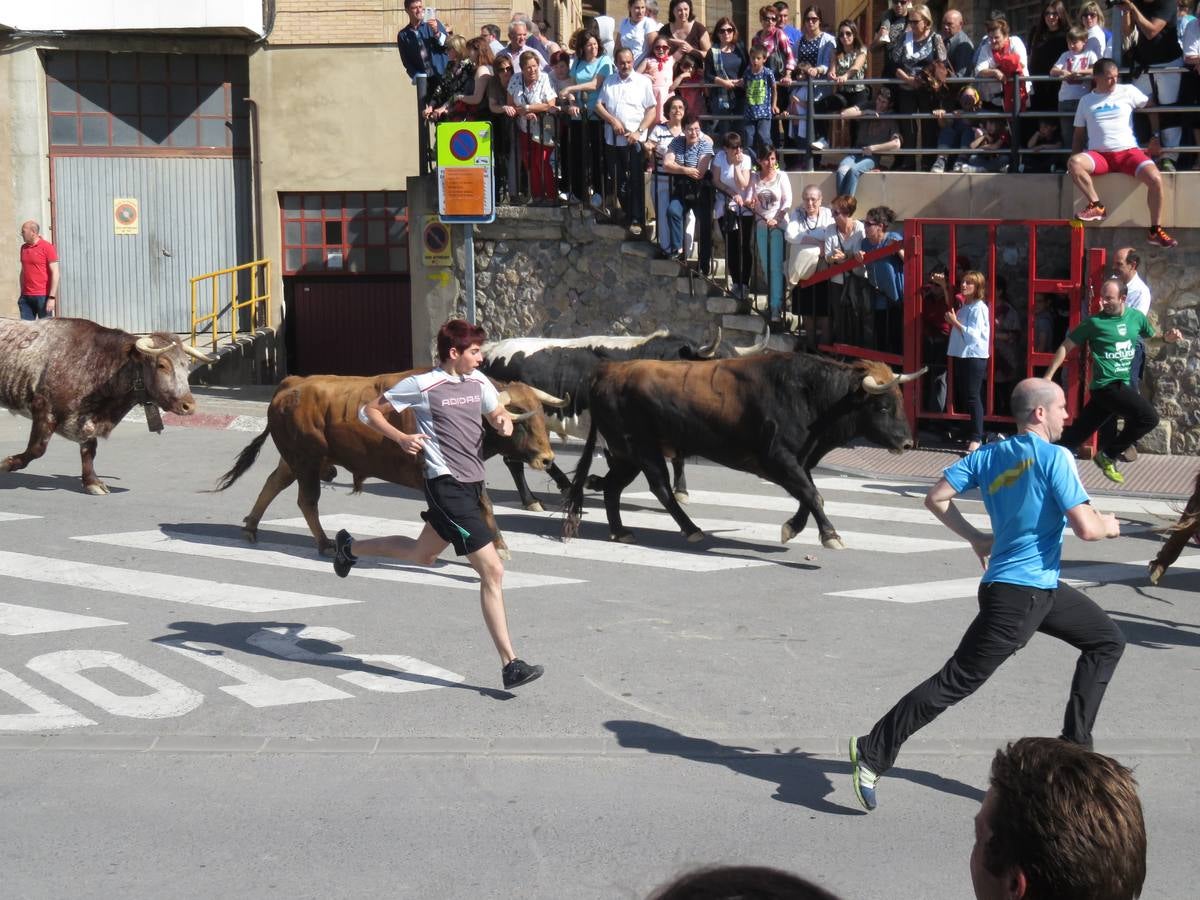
column 16, row 619
column 550, row 544
column 173, row 588
column 15, row 517
column 451, row 575
column 1080, row 576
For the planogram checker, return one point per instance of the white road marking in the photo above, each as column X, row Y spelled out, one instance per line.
column 450, row 575
column 551, row 544
column 173, row 588
column 15, row 619
column 48, row 713
column 257, row 688
column 167, row 699
column 15, row 517
column 1080, row 576
column 913, row 514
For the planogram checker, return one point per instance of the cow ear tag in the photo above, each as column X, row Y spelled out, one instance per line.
column 153, row 418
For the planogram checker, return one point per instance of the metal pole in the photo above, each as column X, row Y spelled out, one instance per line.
column 469, row 269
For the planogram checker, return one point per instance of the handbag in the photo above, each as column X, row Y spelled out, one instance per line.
column 802, row 263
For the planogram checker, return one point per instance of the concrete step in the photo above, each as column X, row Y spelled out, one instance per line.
column 742, row 322
column 722, row 305
column 696, row 287
column 783, row 342
column 664, row 267
column 609, row 232
column 641, row 249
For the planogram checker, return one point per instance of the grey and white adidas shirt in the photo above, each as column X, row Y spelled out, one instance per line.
column 449, row 410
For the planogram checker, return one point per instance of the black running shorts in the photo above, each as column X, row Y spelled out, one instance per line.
column 456, row 513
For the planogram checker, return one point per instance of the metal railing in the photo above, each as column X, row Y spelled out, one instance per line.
column 233, row 304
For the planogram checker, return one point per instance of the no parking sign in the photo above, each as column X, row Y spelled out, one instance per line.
column 465, row 172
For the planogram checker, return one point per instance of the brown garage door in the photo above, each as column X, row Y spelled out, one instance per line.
column 353, row 326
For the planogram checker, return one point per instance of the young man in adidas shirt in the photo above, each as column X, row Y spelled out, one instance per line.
column 450, row 403
column 1112, row 336
column 1028, row 485
column 1103, row 121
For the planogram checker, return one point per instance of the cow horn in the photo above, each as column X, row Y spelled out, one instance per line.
column 708, row 351
column 146, row 345
column 871, row 386
column 550, row 399
column 759, row 345
column 521, row 417
column 198, row 354
column 504, row 398
column 912, row 376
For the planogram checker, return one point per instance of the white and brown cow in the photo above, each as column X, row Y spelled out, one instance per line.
column 78, row 379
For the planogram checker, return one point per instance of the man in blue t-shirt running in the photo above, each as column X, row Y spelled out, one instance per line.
column 1028, row 485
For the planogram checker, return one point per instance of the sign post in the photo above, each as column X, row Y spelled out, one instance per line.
column 465, row 193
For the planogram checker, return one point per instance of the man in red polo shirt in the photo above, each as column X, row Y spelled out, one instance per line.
column 39, row 274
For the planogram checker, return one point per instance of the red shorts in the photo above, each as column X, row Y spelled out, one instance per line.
column 1127, row 162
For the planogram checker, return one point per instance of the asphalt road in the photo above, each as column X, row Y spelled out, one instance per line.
column 184, row 714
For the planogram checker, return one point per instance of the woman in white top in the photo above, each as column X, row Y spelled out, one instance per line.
column 634, row 30
column 734, row 204
column 772, row 200
column 968, row 350
column 657, row 141
column 807, row 228
column 842, row 241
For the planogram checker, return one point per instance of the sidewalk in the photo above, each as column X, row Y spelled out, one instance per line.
column 244, row 408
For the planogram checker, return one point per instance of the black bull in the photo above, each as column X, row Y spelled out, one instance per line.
column 564, row 368
column 774, row 416
column 315, row 426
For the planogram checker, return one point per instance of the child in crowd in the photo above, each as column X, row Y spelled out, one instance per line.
column 1046, row 138
column 957, row 128
column 760, row 99
column 1075, row 69
column 659, row 67
column 877, row 136
column 688, row 85
column 991, row 142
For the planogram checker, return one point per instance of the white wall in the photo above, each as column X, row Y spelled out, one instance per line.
column 132, row 15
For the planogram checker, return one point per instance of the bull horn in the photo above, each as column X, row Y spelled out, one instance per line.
column 550, row 399
column 759, row 345
column 198, row 354
column 146, row 345
column 504, row 398
column 912, row 376
column 871, row 386
column 708, row 351
column 521, row 417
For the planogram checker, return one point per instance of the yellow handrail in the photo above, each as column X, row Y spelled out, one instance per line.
column 260, row 275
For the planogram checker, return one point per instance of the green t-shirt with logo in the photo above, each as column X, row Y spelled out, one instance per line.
column 1113, row 340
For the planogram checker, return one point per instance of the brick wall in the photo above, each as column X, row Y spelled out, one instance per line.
column 377, row 21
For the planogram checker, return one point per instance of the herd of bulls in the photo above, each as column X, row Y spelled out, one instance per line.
column 650, row 399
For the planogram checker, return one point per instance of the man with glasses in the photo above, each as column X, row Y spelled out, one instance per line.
column 960, row 50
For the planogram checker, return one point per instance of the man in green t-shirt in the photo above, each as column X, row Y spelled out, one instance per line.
column 1112, row 336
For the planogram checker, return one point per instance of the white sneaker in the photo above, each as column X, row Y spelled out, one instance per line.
column 820, row 144
column 939, row 165
column 957, row 167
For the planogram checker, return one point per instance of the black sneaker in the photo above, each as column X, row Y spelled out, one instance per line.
column 519, row 672
column 343, row 559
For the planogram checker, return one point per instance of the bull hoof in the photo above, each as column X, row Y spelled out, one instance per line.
column 832, row 542
column 329, row 474
column 594, row 483
column 96, row 488
column 536, row 506
column 787, row 532
column 682, row 497
column 621, row 537
column 695, row 537
column 325, row 548
column 6, row 465
column 250, row 534
column 1156, row 572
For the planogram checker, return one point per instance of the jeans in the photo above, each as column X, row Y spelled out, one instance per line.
column 1112, row 400
column 849, row 170
column 755, row 132
column 33, row 307
column 770, row 257
column 969, row 373
column 1009, row 614
column 701, row 207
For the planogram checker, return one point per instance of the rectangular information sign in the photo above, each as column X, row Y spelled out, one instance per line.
column 465, row 191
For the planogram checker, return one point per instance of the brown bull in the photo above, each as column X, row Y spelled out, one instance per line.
column 314, row 424
column 1178, row 535
column 77, row 379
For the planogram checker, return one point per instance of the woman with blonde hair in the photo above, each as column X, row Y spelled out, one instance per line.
column 969, row 349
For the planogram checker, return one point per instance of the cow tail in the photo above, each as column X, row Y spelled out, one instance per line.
column 244, row 461
column 574, row 502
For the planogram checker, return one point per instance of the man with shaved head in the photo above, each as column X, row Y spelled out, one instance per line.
column 39, row 274
column 959, row 49
column 1028, row 485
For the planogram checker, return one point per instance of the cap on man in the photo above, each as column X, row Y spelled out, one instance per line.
column 39, row 274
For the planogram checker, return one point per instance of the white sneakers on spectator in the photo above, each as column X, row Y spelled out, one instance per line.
column 939, row 165
column 820, row 144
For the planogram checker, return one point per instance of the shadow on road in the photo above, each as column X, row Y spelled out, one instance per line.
column 69, row 483
column 237, row 636
column 1155, row 634
column 802, row 778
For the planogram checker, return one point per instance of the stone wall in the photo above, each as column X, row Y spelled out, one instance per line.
column 558, row 273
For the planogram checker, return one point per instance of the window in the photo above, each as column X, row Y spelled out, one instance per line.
column 351, row 232
column 155, row 102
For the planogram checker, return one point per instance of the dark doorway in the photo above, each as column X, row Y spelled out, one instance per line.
column 353, row 325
